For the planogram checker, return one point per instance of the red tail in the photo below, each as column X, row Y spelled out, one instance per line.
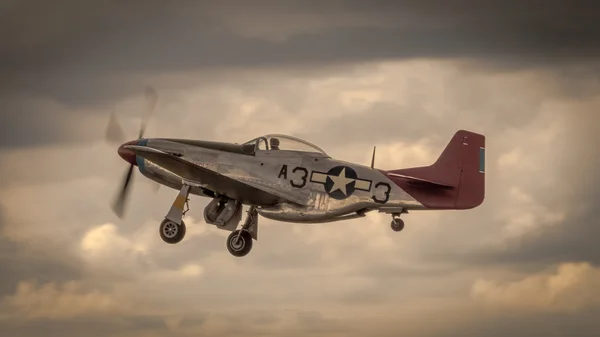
column 455, row 181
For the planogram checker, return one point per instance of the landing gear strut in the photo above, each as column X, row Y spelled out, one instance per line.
column 397, row 223
column 239, row 242
column 172, row 228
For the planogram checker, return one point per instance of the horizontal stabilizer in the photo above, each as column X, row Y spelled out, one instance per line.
column 420, row 181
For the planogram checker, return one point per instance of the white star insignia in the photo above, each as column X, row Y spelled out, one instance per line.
column 340, row 182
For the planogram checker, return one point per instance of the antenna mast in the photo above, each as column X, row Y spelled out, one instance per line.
column 373, row 158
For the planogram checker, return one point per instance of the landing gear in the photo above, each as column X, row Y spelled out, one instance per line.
column 172, row 228
column 224, row 213
column 171, row 232
column 239, row 242
column 397, row 223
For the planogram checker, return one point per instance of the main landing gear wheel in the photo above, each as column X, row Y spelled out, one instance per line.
column 397, row 224
column 171, row 232
column 239, row 243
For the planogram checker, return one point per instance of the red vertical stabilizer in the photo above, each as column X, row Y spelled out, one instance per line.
column 455, row 181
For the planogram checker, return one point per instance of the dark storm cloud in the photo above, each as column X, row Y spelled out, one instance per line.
column 73, row 50
column 81, row 53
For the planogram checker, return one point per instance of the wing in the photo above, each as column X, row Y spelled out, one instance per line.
column 243, row 189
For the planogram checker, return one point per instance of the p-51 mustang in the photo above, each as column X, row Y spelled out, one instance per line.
column 288, row 179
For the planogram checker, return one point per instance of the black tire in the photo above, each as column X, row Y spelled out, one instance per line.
column 170, row 232
column 397, row 225
column 242, row 247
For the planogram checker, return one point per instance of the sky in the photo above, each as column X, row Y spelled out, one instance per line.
column 346, row 75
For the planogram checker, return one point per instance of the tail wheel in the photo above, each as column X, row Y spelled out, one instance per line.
column 171, row 232
column 239, row 246
column 397, row 225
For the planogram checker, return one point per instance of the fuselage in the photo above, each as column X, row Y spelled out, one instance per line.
column 332, row 188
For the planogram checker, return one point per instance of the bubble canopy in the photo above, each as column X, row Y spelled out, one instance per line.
column 283, row 142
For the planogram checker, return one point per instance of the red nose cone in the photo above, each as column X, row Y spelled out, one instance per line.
column 127, row 155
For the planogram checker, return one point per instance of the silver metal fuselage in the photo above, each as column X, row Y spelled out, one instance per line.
column 304, row 175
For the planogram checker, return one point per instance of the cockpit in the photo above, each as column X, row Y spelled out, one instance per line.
column 275, row 142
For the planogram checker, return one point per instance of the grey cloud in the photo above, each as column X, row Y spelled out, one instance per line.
column 19, row 263
column 314, row 322
column 30, row 122
column 374, row 124
column 522, row 324
column 574, row 240
column 285, row 251
column 575, row 192
column 147, row 35
column 383, row 122
column 281, row 255
column 252, row 323
column 119, row 47
column 361, row 297
column 258, row 317
column 90, row 326
column 26, row 122
column 120, row 39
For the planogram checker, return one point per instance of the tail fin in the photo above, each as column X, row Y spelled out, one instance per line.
column 455, row 181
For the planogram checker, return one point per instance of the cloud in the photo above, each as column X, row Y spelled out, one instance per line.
column 570, row 288
column 532, row 218
column 356, row 277
column 338, row 32
column 557, row 195
column 119, row 47
column 18, row 262
column 50, row 301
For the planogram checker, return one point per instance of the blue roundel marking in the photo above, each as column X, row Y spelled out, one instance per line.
column 140, row 160
column 341, row 182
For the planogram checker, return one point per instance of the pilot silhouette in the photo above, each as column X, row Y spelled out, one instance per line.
column 274, row 143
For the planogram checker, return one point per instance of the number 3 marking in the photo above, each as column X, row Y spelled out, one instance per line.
column 388, row 189
column 304, row 176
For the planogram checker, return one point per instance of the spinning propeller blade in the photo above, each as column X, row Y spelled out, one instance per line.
column 121, row 200
column 114, row 133
column 151, row 98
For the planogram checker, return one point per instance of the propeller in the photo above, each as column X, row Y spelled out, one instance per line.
column 151, row 99
column 114, row 134
column 118, row 205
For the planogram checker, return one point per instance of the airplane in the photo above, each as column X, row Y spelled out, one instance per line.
column 288, row 179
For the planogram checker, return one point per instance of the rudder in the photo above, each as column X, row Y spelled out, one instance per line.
column 471, row 187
